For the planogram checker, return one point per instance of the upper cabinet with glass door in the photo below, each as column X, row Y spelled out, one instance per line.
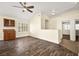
column 9, row 23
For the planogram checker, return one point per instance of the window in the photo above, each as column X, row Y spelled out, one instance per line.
column 26, row 27
column 19, row 27
column 77, row 26
column 66, row 26
column 46, row 24
column 22, row 27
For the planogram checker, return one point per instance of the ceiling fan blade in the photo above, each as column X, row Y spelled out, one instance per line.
column 21, row 3
column 29, row 10
column 17, row 6
column 30, row 7
column 24, row 3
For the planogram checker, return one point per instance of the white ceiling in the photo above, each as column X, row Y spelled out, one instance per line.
column 6, row 8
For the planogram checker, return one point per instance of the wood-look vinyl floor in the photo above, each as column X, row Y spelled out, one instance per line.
column 30, row 46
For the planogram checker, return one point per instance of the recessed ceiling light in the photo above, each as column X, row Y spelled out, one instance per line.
column 53, row 12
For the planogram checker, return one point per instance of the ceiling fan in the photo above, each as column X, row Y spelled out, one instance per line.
column 25, row 7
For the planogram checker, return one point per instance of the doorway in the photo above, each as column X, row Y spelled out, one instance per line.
column 66, row 30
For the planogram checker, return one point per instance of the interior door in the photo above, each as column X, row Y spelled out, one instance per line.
column 66, row 30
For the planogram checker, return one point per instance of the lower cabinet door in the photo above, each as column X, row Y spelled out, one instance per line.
column 9, row 34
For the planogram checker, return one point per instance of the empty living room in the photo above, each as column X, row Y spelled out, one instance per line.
column 39, row 28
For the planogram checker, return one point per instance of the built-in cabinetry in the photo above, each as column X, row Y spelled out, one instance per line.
column 9, row 33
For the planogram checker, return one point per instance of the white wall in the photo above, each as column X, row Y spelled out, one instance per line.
column 36, row 31
column 49, row 35
column 35, row 24
column 1, row 26
column 1, row 34
column 72, row 31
